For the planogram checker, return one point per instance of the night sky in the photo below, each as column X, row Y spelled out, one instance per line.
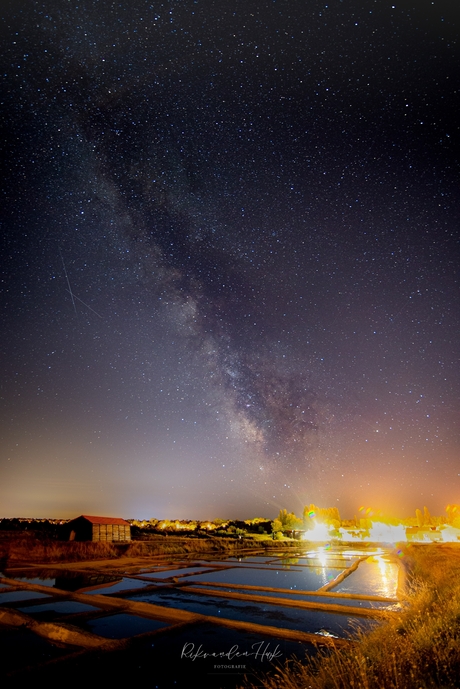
column 230, row 257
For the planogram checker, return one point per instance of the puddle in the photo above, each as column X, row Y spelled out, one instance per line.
column 60, row 607
column 123, row 625
column 65, row 581
column 302, row 579
column 375, row 576
column 175, row 572
column 124, row 585
column 12, row 596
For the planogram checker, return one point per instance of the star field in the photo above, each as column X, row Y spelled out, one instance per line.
column 230, row 257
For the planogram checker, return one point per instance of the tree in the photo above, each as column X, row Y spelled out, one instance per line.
column 286, row 521
column 277, row 526
column 427, row 519
column 453, row 513
column 329, row 516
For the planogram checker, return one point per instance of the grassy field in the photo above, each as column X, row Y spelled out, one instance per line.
column 418, row 650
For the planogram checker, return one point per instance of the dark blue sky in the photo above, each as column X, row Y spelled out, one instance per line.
column 230, row 250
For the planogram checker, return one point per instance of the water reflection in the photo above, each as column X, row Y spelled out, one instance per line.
column 326, row 576
column 377, row 576
column 66, row 580
column 388, row 573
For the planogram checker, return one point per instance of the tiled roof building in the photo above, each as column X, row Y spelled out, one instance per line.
column 89, row 528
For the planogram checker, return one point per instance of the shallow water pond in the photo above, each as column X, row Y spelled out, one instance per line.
column 122, row 625
column 124, row 585
column 358, row 603
column 64, row 580
column 23, row 594
column 183, row 571
column 66, row 607
column 278, row 577
column 376, row 575
column 260, row 613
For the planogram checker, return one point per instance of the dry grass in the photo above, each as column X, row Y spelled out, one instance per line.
column 28, row 548
column 181, row 546
column 25, row 548
column 418, row 650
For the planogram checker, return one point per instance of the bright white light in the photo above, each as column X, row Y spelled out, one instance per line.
column 322, row 557
column 318, row 533
column 450, row 534
column 385, row 533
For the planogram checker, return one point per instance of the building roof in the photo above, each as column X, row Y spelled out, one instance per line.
column 104, row 520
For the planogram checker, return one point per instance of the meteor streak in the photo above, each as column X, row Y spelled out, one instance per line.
column 68, row 282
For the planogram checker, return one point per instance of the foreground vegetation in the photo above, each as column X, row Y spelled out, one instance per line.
column 418, row 650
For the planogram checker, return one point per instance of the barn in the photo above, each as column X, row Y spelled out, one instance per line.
column 87, row 528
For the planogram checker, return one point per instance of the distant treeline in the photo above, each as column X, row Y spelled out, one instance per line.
column 55, row 528
column 286, row 522
column 51, row 528
column 217, row 527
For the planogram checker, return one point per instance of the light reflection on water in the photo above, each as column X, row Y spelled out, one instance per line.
column 326, row 576
column 376, row 576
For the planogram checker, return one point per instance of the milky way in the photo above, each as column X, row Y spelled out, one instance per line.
column 230, row 257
